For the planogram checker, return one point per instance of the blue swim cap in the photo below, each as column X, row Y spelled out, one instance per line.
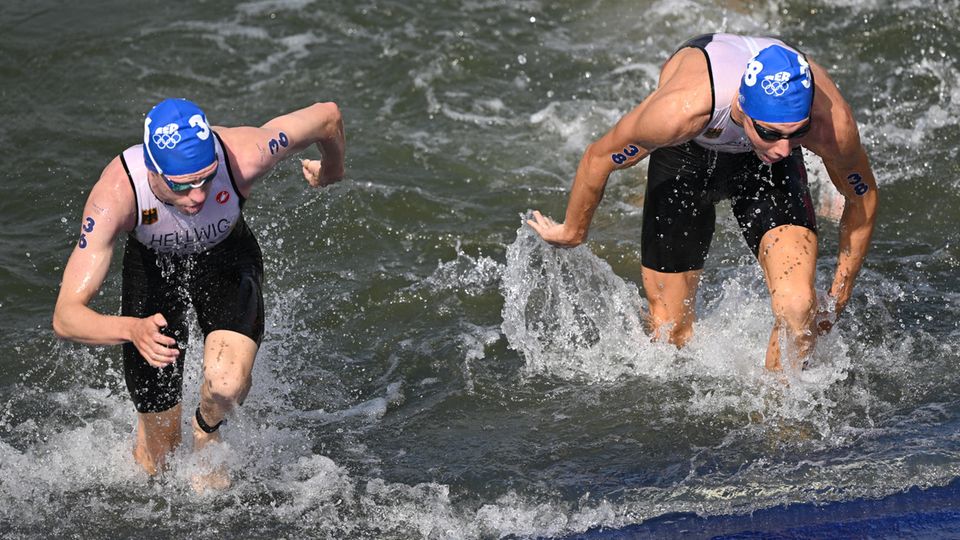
column 177, row 139
column 777, row 86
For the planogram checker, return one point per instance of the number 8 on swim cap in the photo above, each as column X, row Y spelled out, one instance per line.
column 176, row 138
column 777, row 86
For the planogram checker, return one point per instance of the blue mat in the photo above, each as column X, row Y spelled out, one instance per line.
column 918, row 513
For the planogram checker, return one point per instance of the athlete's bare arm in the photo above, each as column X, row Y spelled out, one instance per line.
column 255, row 150
column 674, row 113
column 836, row 139
column 109, row 212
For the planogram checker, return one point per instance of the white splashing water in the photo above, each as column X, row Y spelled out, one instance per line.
column 566, row 311
column 570, row 316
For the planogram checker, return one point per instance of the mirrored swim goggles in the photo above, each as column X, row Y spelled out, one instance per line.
column 177, row 187
column 771, row 135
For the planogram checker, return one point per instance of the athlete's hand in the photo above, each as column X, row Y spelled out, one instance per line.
column 319, row 176
column 159, row 350
column 552, row 232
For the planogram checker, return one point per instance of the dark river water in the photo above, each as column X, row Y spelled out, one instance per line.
column 430, row 369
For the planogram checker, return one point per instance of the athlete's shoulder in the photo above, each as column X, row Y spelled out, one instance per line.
column 113, row 195
column 115, row 175
column 248, row 150
column 687, row 66
column 835, row 130
column 685, row 84
column 238, row 138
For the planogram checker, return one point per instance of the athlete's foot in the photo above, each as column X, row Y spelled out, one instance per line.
column 212, row 476
column 156, row 437
column 150, row 464
column 216, row 479
column 145, row 463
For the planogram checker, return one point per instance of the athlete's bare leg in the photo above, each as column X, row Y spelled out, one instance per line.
column 228, row 359
column 158, row 434
column 788, row 256
column 672, row 299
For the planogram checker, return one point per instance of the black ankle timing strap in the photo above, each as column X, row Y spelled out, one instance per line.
column 207, row 428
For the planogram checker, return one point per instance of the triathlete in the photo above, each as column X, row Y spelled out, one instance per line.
column 178, row 197
column 727, row 121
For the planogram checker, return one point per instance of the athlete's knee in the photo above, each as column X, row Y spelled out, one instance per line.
column 228, row 392
column 228, row 367
column 795, row 306
column 673, row 324
column 674, row 330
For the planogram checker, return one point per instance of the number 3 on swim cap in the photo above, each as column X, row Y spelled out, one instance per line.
column 804, row 70
column 197, row 120
column 750, row 75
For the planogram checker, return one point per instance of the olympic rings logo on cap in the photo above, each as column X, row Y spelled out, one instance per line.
column 167, row 137
column 776, row 85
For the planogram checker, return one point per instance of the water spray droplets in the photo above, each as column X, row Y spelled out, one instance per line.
column 566, row 311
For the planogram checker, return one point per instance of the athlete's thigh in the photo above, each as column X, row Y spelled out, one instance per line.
column 229, row 301
column 150, row 285
column 146, row 291
column 678, row 217
column 766, row 197
column 228, row 359
column 227, row 292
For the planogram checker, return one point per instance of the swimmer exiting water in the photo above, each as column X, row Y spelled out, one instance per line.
column 727, row 121
column 179, row 198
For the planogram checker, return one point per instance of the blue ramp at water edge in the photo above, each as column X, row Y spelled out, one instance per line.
column 916, row 513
